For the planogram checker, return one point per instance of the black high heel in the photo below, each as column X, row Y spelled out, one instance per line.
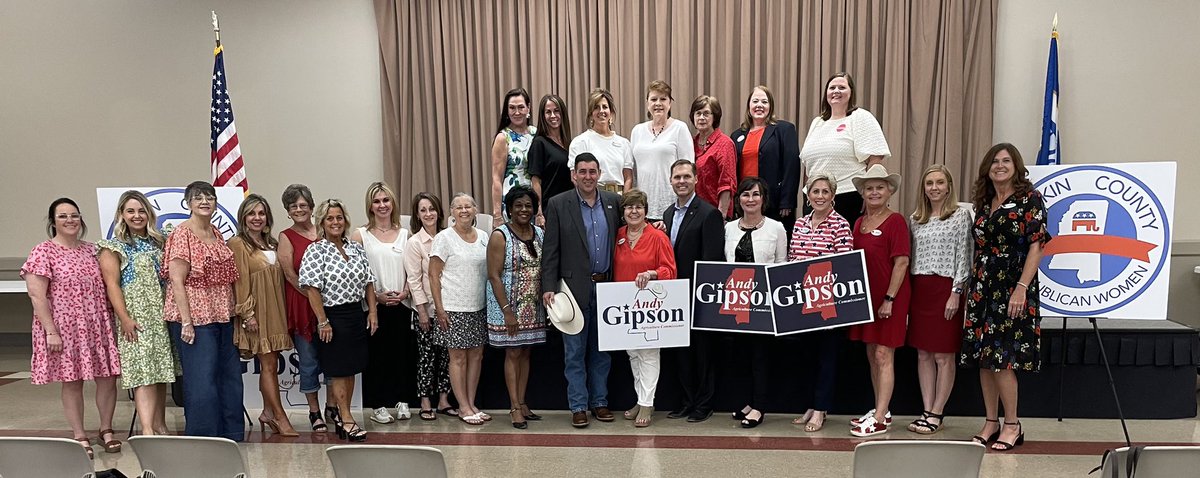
column 1005, row 446
column 313, row 418
column 740, row 415
column 354, row 434
column 984, row 441
column 533, row 417
column 751, row 422
column 331, row 414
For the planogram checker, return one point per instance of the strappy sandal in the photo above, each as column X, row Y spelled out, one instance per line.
column 1006, row 446
column 428, row 414
column 448, row 411
column 924, row 426
column 86, row 443
column 473, row 419
column 110, row 446
column 644, row 416
column 318, row 424
column 811, row 427
column 984, row 441
column 355, row 433
column 484, row 416
column 754, row 422
column 514, row 414
column 804, row 419
column 529, row 415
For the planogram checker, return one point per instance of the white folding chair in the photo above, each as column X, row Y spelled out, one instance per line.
column 188, row 457
column 1154, row 462
column 918, row 459
column 391, row 461
column 22, row 457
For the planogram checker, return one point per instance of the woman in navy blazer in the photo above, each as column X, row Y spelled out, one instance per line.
column 769, row 148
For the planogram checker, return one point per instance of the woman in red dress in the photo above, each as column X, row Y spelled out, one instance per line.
column 882, row 234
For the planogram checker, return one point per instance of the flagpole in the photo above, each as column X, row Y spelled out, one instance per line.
column 217, row 27
column 1053, row 27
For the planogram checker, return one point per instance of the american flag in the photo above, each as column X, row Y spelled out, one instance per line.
column 227, row 166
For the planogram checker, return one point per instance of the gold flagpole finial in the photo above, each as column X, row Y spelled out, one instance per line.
column 1054, row 26
column 216, row 26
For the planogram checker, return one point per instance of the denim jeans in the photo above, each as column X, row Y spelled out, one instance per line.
column 212, row 382
column 585, row 366
column 310, row 369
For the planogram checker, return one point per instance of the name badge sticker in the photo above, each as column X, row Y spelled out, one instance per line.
column 876, row 233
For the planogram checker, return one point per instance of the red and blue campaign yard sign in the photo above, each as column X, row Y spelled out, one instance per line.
column 732, row 297
column 821, row 293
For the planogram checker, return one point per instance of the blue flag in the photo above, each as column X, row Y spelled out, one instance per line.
column 1050, row 153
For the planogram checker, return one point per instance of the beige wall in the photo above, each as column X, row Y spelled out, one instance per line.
column 1127, row 77
column 116, row 93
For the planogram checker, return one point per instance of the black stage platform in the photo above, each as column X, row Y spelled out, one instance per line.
column 1154, row 364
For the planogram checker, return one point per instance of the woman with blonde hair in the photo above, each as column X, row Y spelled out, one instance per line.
column 337, row 278
column 941, row 262
column 130, row 262
column 262, row 320
column 388, row 380
column 614, row 152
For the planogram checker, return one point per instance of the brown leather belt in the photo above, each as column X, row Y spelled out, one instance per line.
column 600, row 277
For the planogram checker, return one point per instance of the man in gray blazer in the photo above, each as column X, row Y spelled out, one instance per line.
column 581, row 227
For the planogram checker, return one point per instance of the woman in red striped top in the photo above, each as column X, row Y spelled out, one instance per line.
column 822, row 231
column 642, row 254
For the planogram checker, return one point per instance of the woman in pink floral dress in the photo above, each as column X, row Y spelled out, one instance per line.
column 73, row 336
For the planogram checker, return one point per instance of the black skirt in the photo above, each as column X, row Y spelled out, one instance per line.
column 346, row 354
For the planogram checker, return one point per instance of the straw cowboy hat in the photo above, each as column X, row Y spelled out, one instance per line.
column 564, row 312
column 877, row 171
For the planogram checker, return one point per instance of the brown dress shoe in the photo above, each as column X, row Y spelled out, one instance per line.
column 603, row 414
column 579, row 419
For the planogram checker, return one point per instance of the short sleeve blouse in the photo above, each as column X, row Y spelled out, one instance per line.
column 465, row 273
column 942, row 247
column 340, row 280
column 209, row 283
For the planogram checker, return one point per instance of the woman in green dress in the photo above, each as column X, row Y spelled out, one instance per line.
column 130, row 263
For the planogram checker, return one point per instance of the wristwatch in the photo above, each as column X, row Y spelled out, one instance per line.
column 958, row 290
column 888, row 298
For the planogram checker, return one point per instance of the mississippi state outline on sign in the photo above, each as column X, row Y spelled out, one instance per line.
column 1110, row 240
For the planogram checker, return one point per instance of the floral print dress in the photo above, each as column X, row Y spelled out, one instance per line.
column 516, row 166
column 151, row 359
column 992, row 340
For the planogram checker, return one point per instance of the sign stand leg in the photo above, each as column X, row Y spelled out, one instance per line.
column 1111, row 383
column 1062, row 370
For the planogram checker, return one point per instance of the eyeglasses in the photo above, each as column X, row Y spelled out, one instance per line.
column 704, row 114
column 204, row 198
column 64, row 217
column 296, row 206
column 635, row 207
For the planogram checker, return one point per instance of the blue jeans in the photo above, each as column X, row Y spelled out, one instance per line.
column 310, row 369
column 212, row 382
column 585, row 366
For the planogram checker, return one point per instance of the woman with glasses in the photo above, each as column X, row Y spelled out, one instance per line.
column 514, row 289
column 302, row 322
column 199, row 306
column 73, row 338
column 457, row 274
column 642, row 254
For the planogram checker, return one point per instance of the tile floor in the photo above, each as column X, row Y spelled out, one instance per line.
column 552, row 448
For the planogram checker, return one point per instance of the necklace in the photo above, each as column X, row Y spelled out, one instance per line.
column 388, row 229
column 742, row 224
column 660, row 130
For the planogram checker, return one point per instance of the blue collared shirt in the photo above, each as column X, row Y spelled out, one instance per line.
column 680, row 212
column 595, row 224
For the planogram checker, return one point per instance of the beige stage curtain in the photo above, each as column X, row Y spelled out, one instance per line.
column 924, row 68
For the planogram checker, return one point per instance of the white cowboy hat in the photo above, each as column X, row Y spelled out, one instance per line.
column 564, row 312
column 877, row 171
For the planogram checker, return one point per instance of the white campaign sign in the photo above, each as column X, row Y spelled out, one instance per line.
column 289, row 384
column 1110, row 227
column 658, row 316
column 171, row 207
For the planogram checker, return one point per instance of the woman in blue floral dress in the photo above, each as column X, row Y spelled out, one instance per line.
column 1002, row 328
